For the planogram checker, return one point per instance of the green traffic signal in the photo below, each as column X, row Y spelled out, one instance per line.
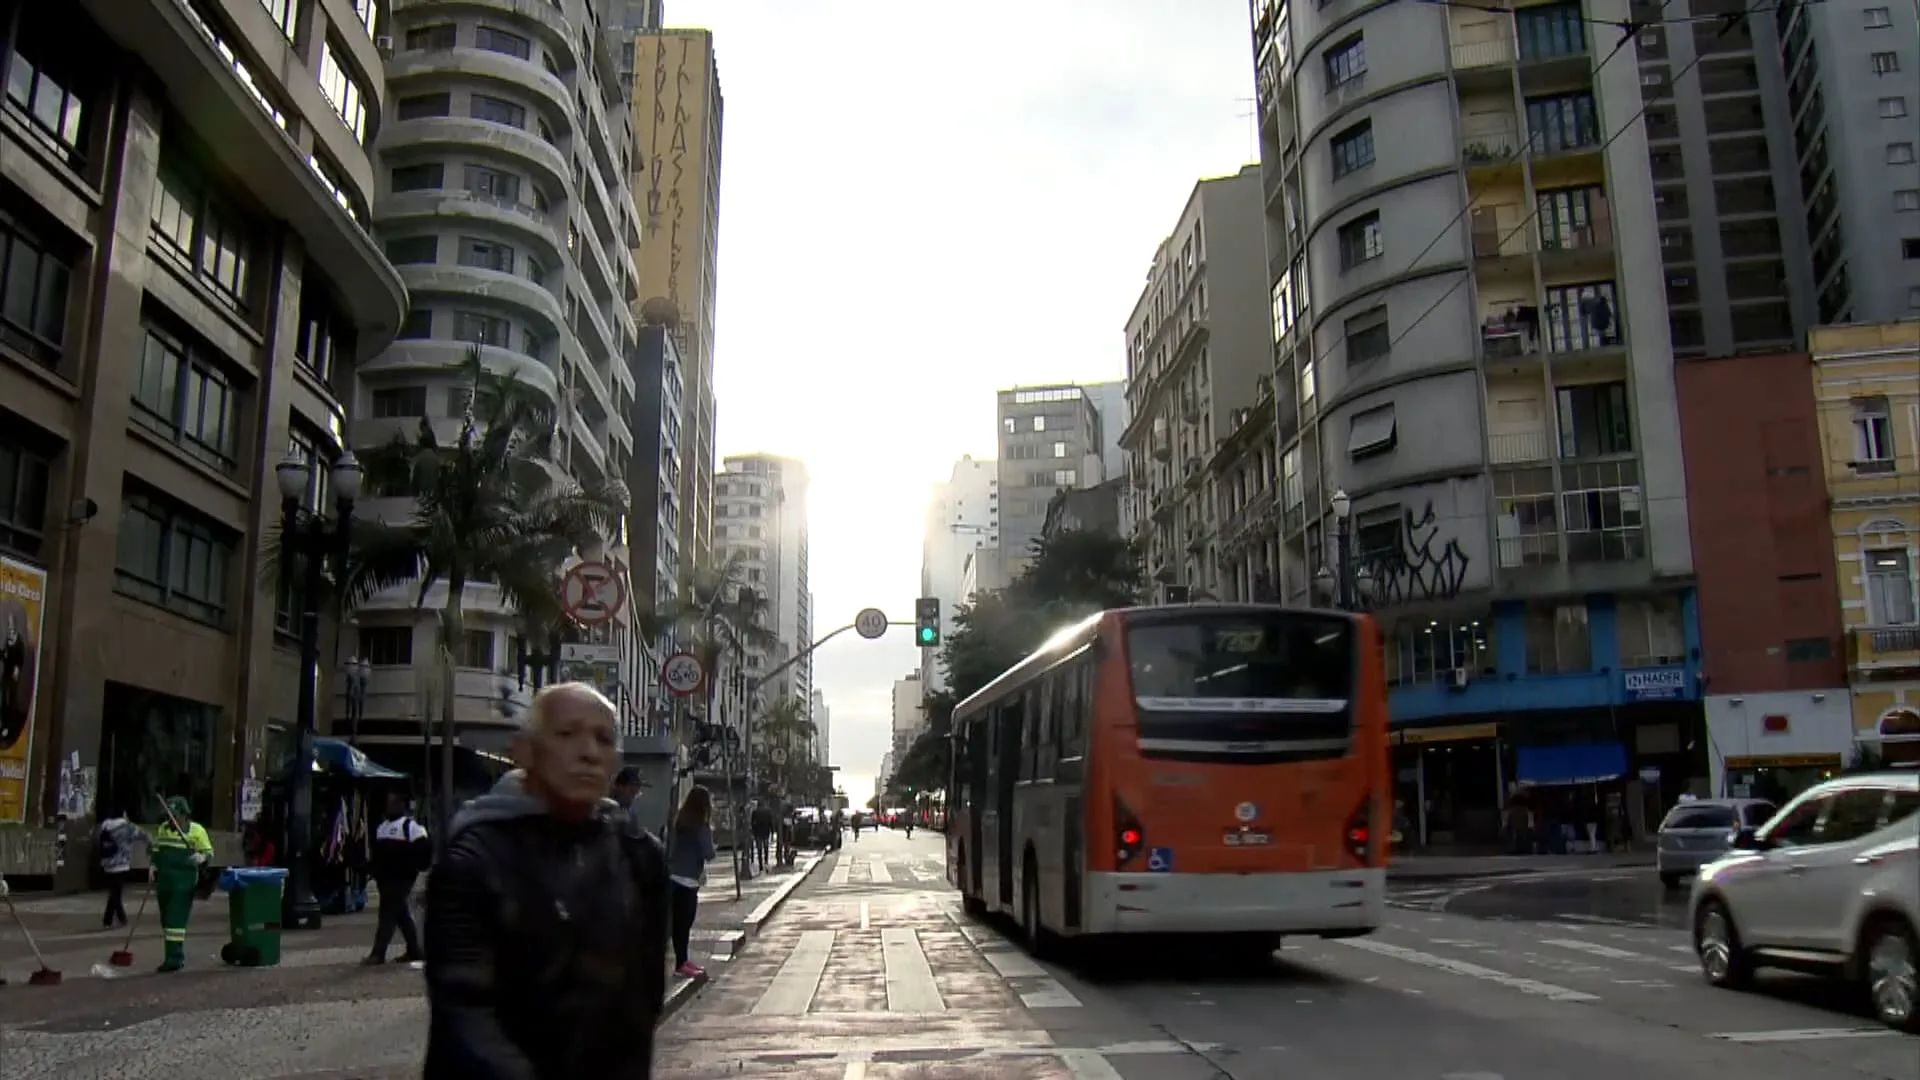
column 928, row 635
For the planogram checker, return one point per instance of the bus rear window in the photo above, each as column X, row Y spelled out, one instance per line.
column 1244, row 657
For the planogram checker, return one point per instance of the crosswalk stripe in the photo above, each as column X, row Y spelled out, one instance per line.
column 1049, row 994
column 1462, row 967
column 877, row 871
column 1088, row 1065
column 1594, row 948
column 1013, row 965
column 793, row 986
column 910, row 985
column 842, row 871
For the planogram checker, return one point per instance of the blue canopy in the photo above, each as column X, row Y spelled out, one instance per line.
column 1591, row 763
column 334, row 755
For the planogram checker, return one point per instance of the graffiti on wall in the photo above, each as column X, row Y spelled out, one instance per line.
column 1419, row 568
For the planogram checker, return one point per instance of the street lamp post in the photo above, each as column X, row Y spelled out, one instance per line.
column 1348, row 579
column 356, row 673
column 307, row 533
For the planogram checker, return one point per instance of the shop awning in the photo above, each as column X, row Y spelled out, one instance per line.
column 341, row 757
column 1592, row 763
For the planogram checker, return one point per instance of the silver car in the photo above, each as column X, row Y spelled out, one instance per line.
column 1700, row 831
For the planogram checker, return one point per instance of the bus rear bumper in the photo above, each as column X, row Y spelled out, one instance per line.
column 1333, row 902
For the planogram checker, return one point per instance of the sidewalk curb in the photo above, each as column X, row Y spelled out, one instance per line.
column 679, row 994
column 759, row 916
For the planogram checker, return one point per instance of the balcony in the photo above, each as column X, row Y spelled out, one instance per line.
column 1508, row 338
column 1518, row 447
column 1496, row 51
column 1883, row 649
column 1490, row 149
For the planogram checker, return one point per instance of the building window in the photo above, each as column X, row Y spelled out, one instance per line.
column 419, row 325
column 497, row 111
column 1889, row 574
column 367, row 13
column 413, row 250
column 1059, row 449
column 1375, row 431
column 1567, row 217
column 325, row 335
column 1550, row 31
column 35, row 287
column 1559, row 641
column 1594, row 420
column 1526, row 520
column 1352, row 149
column 1650, row 632
column 173, row 558
column 1282, row 306
column 342, row 91
column 1886, row 63
column 1877, row 18
column 154, row 742
column 436, row 38
column 500, row 41
column 181, row 394
column 1360, row 241
column 1601, row 511
column 421, row 106
column 1872, row 435
column 1809, row 650
column 285, row 15
column 1562, row 122
column 492, row 183
column 476, row 650
column 1346, row 62
column 23, row 494
column 400, row 402
column 1039, row 423
column 1367, row 336
column 1900, row 153
column 1065, row 478
column 208, row 236
column 46, row 87
column 1581, row 317
column 419, row 177
column 1893, row 108
column 482, row 329
column 486, row 255
column 1008, row 425
column 387, row 646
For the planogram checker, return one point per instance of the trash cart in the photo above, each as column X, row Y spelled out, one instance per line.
column 253, row 915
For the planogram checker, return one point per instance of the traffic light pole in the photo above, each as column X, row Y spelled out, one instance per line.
column 806, row 652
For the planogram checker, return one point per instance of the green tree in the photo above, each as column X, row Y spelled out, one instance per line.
column 495, row 504
column 785, row 726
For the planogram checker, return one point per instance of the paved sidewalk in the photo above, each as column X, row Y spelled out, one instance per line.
column 1448, row 867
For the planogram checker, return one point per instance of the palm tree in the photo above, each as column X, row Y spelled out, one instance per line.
column 494, row 505
column 787, row 727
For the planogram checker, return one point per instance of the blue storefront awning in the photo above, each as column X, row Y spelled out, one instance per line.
column 1585, row 764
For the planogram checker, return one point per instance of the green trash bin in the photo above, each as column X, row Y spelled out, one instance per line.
column 253, row 915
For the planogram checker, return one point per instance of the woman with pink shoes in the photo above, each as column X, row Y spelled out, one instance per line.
column 689, row 849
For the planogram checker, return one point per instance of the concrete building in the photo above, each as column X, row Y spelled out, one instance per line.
column 1111, row 406
column 909, row 715
column 963, row 517
column 1093, row 509
column 1463, row 350
column 760, row 518
column 504, row 203
column 674, row 78
column 1050, row 439
column 822, row 729
column 1866, row 383
column 190, row 289
column 653, row 484
column 1199, row 349
column 1772, row 667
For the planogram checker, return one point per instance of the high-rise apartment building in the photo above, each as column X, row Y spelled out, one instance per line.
column 678, row 113
column 653, row 476
column 504, row 203
column 1470, row 355
column 760, row 519
column 909, row 715
column 189, row 289
column 963, row 518
column 822, row 719
column 1050, row 439
column 1111, row 405
column 1199, row 353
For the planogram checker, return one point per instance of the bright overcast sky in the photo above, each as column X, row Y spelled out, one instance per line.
column 922, row 203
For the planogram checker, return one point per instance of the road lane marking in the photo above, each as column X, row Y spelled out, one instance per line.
column 1049, row 994
column 1013, row 965
column 1461, row 967
column 841, row 871
column 1602, row 920
column 877, row 871
column 793, row 986
column 1594, row 948
column 866, row 914
column 856, row 1070
column 1804, row 1034
column 910, row 985
column 1088, row 1065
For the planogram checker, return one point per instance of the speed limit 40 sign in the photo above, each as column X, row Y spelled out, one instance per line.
column 682, row 673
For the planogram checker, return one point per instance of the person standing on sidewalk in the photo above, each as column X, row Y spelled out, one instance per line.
column 546, row 916
column 688, row 852
column 114, row 844
column 400, row 851
column 761, row 824
column 180, row 848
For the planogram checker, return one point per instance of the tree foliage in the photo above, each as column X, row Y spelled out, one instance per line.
column 1071, row 575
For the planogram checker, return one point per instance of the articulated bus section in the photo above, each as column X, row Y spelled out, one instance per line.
column 1199, row 769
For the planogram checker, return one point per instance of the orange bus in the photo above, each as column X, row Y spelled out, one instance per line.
column 1218, row 769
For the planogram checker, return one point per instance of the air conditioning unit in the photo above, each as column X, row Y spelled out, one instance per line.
column 1458, row 678
column 383, row 44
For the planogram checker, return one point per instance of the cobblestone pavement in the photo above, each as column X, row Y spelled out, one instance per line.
column 318, row 1015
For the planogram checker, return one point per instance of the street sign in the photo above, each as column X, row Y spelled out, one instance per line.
column 682, row 673
column 593, row 594
column 870, row 623
column 778, row 755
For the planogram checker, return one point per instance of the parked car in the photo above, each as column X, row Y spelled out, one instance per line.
column 1830, row 885
column 1699, row 831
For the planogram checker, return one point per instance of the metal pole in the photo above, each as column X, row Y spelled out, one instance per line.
column 302, row 909
column 1343, row 541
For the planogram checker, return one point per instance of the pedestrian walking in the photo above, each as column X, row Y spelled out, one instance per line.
column 547, row 917
column 689, row 849
column 180, row 848
column 400, row 851
column 114, row 843
column 761, row 824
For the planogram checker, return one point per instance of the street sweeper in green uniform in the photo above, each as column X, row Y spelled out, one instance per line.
column 180, row 848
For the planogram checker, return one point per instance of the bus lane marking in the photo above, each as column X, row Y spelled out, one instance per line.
column 793, row 986
column 1469, row 970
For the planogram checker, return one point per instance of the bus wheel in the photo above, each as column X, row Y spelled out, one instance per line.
column 1039, row 941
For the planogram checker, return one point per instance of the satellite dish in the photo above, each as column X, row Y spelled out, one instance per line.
column 660, row 311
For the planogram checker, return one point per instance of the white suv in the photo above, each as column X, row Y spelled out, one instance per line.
column 1830, row 885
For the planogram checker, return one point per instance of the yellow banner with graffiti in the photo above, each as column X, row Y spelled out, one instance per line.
column 23, row 596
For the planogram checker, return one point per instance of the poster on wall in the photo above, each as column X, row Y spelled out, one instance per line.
column 23, row 591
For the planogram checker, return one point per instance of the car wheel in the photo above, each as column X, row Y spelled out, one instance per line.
column 1723, row 960
column 1670, row 881
column 1892, row 972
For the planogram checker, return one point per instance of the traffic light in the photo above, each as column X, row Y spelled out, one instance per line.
column 926, row 617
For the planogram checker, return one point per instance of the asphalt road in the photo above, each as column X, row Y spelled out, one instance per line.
column 871, row 973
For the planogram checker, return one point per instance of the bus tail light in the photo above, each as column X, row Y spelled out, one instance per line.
column 1129, row 838
column 1360, row 833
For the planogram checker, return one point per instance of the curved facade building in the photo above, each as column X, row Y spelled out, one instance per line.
column 504, row 203
column 189, row 286
column 1470, row 342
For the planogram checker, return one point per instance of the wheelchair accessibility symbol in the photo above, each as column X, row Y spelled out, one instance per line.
column 1160, row 860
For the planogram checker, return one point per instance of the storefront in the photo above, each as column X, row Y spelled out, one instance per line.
column 1776, row 745
column 1778, row 777
column 1449, row 784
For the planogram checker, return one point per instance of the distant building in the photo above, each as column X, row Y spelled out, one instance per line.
column 1094, row 509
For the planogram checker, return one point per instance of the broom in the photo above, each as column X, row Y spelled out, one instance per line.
column 46, row 976
column 123, row 956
